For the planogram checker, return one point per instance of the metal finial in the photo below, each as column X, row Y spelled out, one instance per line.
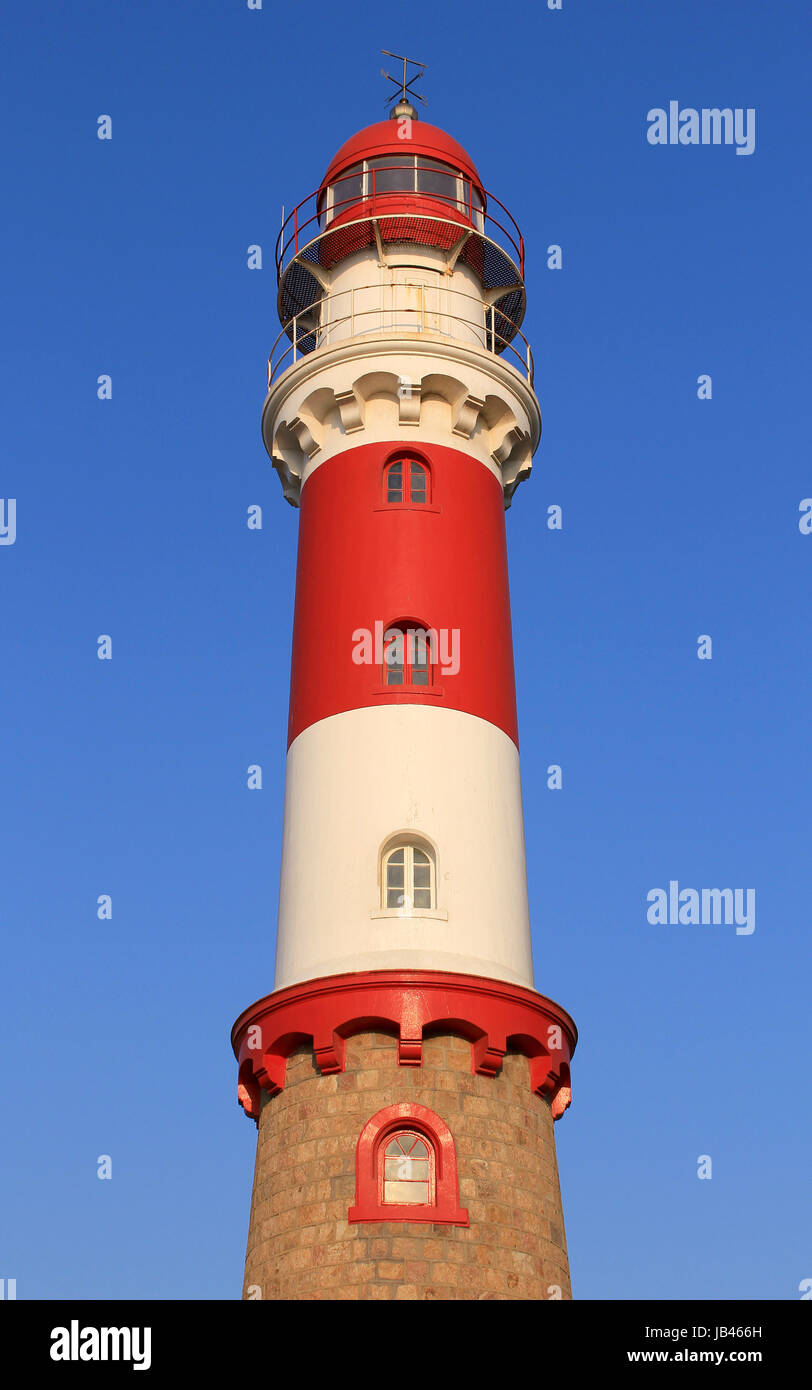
column 404, row 85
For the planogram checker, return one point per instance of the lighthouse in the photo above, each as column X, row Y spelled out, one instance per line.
column 404, row 1073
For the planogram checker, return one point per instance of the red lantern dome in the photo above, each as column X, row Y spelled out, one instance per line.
column 384, row 138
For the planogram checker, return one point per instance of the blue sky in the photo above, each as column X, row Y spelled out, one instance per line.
column 680, row 518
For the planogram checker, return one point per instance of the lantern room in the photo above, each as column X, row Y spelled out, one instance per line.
column 407, row 168
column 400, row 236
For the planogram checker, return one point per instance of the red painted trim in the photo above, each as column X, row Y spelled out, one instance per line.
column 360, row 563
column 397, row 210
column 369, row 1205
column 495, row 1016
column 382, row 694
column 406, row 507
column 386, row 137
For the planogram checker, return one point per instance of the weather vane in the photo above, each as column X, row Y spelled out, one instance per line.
column 403, row 84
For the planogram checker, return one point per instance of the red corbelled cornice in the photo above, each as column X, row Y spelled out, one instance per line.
column 494, row 1015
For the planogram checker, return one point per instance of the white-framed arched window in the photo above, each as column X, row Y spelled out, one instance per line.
column 408, row 878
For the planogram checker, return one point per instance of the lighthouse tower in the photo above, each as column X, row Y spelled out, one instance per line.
column 404, row 1073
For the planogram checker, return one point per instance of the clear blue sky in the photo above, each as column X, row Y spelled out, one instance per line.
column 680, row 518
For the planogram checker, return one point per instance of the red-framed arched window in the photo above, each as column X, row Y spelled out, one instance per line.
column 409, row 654
column 406, row 482
column 406, row 1168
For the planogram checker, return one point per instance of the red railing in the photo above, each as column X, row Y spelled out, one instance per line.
column 317, row 214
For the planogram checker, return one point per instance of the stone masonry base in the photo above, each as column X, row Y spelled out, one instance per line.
column 300, row 1242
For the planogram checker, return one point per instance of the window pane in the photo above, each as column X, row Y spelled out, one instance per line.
column 348, row 188
column 422, row 876
column 420, row 662
column 394, row 482
column 420, row 857
column 394, row 642
column 394, row 876
column 438, row 180
column 407, row 1193
column 417, row 482
column 393, row 657
column 422, row 897
column 394, row 897
column 388, row 178
column 407, row 1144
column 407, row 1169
column 396, row 857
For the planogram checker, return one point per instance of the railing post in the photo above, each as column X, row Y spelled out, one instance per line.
column 295, row 331
column 296, row 229
column 493, row 330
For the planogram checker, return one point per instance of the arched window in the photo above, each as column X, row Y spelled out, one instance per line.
column 406, row 480
column 406, row 1168
column 408, row 878
column 408, row 655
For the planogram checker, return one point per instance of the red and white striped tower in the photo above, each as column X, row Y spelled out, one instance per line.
column 404, row 1073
